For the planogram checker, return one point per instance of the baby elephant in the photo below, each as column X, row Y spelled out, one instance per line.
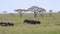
column 10, row 24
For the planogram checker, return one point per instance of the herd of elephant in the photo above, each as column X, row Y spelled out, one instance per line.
column 25, row 21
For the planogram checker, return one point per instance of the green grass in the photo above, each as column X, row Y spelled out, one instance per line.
column 49, row 24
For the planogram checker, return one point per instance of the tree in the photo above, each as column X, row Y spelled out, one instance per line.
column 36, row 10
column 50, row 12
column 33, row 9
column 58, row 11
column 4, row 12
column 20, row 11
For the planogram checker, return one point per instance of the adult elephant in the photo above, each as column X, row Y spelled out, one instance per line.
column 31, row 21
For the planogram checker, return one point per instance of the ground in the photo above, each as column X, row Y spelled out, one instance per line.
column 49, row 24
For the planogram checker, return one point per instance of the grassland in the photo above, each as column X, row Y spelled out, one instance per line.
column 49, row 24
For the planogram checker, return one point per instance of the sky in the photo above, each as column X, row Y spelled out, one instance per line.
column 11, row 5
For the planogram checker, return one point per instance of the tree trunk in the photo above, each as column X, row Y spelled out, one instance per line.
column 20, row 14
column 35, row 14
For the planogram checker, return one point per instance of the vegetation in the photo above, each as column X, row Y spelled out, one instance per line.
column 49, row 24
column 33, row 9
column 50, row 12
column 36, row 10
